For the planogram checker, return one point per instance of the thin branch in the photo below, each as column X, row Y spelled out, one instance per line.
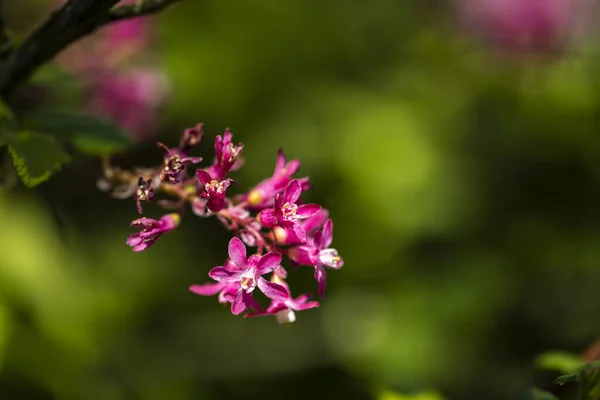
column 139, row 9
column 73, row 21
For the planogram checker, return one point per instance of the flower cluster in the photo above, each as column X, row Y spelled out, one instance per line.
column 270, row 219
column 116, row 88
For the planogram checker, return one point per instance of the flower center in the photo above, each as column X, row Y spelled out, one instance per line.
column 289, row 211
column 247, row 282
column 174, row 164
column 331, row 258
column 233, row 152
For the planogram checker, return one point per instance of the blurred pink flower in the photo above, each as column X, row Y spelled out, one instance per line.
column 117, row 89
column 129, row 99
column 525, row 26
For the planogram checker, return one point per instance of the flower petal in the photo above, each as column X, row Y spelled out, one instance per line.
column 316, row 221
column 280, row 161
column 297, row 230
column 237, row 305
column 272, row 290
column 267, row 218
column 221, row 274
column 318, row 239
column 144, row 221
column 327, row 234
column 276, row 307
column 134, row 240
column 192, row 160
column 208, row 289
column 237, row 252
column 203, row 176
column 308, row 210
column 268, row 262
column 292, row 192
column 301, row 304
column 320, row 277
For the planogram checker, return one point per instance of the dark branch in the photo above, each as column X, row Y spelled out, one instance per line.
column 144, row 7
column 73, row 21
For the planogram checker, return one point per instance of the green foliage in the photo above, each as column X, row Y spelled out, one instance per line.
column 537, row 394
column 390, row 395
column 6, row 114
column 561, row 361
column 88, row 135
column 587, row 376
column 62, row 83
column 35, row 156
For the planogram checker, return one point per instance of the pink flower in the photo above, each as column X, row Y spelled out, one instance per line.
column 247, row 276
column 263, row 194
column 227, row 156
column 144, row 192
column 191, row 137
column 311, row 224
column 284, row 310
column 174, row 164
column 151, row 230
column 286, row 212
column 214, row 191
column 225, row 290
column 522, row 25
column 319, row 255
column 129, row 100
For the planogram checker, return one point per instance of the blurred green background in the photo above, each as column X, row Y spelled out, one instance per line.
column 464, row 186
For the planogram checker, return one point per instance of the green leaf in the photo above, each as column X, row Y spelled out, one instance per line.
column 564, row 379
column 7, row 122
column 60, row 82
column 35, row 156
column 561, row 361
column 537, row 394
column 6, row 114
column 88, row 135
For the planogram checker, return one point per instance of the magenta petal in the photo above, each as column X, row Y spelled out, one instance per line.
column 144, row 221
column 292, row 192
column 237, row 252
column 308, row 210
column 307, row 306
column 298, row 231
column 280, row 161
column 318, row 239
column 327, row 234
column 134, row 240
column 257, row 314
column 276, row 307
column 272, row 290
column 193, row 160
column 208, row 289
column 281, row 272
column 221, row 274
column 320, row 277
column 268, row 262
column 292, row 167
column 316, row 221
column 203, row 176
column 237, row 305
column 141, row 246
column 267, row 218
